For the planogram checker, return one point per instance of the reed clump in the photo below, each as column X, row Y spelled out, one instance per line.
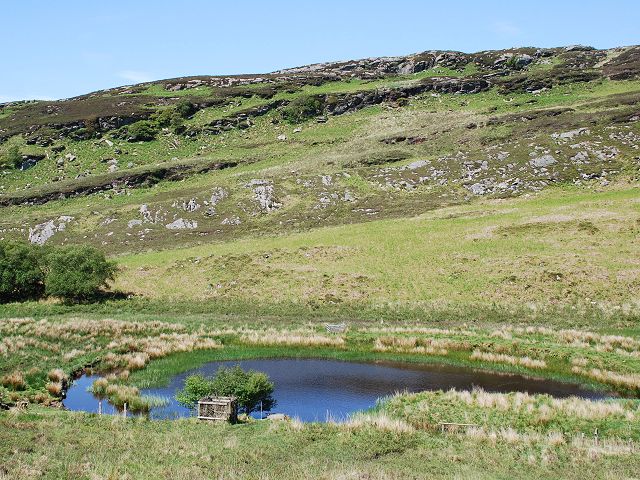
column 57, row 375
column 55, row 388
column 292, row 338
column 14, row 381
column 509, row 359
column 430, row 346
column 379, row 421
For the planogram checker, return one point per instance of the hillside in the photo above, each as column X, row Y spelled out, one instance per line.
column 204, row 160
column 466, row 212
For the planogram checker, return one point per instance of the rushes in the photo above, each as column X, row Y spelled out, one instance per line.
column 147, row 348
column 629, row 381
column 509, row 359
column 119, row 395
column 14, row 381
column 54, row 388
column 379, row 421
column 292, row 338
column 432, row 346
column 136, row 361
column 57, row 375
column 541, row 413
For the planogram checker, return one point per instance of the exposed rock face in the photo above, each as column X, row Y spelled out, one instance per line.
column 570, row 134
column 217, row 196
column 29, row 161
column 240, row 120
column 188, row 206
column 263, row 193
column 231, row 221
column 543, row 161
column 182, row 224
column 44, row 231
column 340, row 104
column 148, row 217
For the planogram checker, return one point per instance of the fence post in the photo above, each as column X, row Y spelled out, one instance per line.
column 99, row 407
column 125, row 410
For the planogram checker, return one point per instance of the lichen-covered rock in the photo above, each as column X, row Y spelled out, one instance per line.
column 231, row 221
column 217, row 196
column 182, row 224
column 263, row 193
column 149, row 217
column 543, row 161
column 570, row 134
column 44, row 231
column 188, row 206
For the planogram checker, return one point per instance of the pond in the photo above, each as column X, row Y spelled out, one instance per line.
column 318, row 389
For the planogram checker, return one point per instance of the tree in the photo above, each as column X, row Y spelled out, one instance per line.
column 77, row 272
column 21, row 271
column 251, row 388
column 195, row 388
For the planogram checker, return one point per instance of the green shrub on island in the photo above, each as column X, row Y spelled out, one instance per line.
column 251, row 388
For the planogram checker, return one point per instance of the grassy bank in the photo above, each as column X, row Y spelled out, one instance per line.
column 85, row 446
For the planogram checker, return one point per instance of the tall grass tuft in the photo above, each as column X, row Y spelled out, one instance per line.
column 509, row 359
column 14, row 381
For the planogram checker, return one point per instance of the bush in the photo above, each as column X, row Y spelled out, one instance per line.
column 185, row 108
column 250, row 387
column 302, row 108
column 77, row 272
column 142, row 131
column 11, row 159
column 21, row 271
column 195, row 388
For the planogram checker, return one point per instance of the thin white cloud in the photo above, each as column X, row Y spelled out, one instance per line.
column 506, row 28
column 135, row 76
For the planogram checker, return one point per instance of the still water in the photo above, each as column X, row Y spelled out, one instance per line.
column 316, row 389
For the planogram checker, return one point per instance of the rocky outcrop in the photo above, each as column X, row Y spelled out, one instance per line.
column 182, row 224
column 337, row 105
column 44, row 231
column 264, row 195
column 111, row 181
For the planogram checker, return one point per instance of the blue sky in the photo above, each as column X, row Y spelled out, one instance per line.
column 57, row 49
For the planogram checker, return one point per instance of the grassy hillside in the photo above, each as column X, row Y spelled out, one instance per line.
column 568, row 245
column 329, row 145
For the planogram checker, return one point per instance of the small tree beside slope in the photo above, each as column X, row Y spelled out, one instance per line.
column 77, row 272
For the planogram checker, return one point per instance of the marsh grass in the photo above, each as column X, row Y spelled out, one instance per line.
column 54, row 388
column 309, row 339
column 511, row 360
column 520, row 413
column 14, row 381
